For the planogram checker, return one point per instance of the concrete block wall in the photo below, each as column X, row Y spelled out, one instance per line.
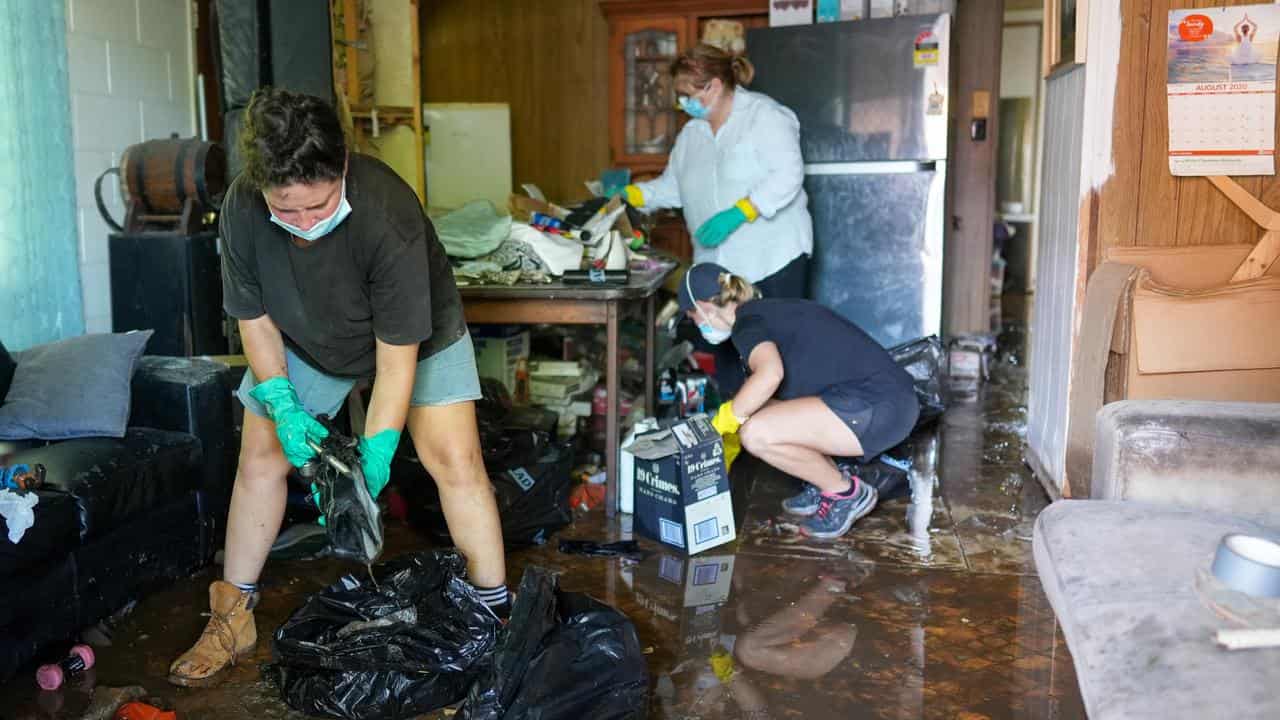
column 132, row 79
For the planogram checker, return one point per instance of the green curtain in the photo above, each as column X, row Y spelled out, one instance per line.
column 40, row 298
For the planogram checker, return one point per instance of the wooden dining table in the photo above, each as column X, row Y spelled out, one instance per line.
column 588, row 304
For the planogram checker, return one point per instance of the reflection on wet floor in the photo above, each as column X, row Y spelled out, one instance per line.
column 929, row 608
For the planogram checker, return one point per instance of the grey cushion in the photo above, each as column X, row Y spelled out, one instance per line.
column 1121, row 578
column 78, row 387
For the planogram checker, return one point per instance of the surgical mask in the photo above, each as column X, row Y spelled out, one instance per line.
column 713, row 335
column 694, row 107
column 323, row 227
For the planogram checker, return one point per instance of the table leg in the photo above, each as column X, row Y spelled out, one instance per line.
column 611, row 413
column 650, row 408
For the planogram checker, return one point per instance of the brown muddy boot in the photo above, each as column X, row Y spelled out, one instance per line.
column 230, row 635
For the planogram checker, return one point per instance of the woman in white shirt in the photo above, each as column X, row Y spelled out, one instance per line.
column 737, row 173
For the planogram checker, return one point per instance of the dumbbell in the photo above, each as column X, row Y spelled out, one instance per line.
column 51, row 677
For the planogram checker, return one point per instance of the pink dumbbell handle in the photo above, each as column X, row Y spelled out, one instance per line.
column 51, row 677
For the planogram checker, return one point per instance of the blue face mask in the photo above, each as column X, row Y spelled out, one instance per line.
column 323, row 227
column 694, row 107
column 713, row 335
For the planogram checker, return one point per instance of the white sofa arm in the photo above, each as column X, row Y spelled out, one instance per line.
column 1212, row 455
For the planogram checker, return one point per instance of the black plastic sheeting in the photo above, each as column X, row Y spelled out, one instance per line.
column 409, row 641
column 923, row 360
column 563, row 656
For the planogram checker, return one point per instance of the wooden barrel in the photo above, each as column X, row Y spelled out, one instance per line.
column 159, row 175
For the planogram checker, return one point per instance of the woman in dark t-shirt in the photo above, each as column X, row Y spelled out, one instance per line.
column 817, row 387
column 334, row 275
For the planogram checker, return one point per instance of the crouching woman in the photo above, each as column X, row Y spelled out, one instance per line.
column 817, row 388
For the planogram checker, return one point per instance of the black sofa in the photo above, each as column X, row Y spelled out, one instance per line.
column 119, row 516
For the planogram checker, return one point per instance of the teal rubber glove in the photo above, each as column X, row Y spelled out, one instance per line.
column 294, row 425
column 375, row 459
column 720, row 227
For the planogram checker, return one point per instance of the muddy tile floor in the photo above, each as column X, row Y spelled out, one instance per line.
column 930, row 608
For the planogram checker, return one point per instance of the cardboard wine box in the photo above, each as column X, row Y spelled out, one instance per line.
column 681, row 487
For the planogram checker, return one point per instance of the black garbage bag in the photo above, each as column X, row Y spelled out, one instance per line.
column 531, row 483
column 495, row 401
column 353, row 520
column 407, row 642
column 887, row 475
column 563, row 656
column 923, row 360
column 533, row 500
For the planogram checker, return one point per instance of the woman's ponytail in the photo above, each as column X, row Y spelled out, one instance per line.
column 735, row 289
column 743, row 70
column 702, row 63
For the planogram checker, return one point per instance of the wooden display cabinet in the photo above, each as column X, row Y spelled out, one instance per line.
column 645, row 36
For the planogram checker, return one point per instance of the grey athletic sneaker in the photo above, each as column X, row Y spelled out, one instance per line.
column 804, row 504
column 836, row 514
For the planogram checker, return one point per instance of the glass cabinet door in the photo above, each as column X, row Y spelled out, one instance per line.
column 650, row 119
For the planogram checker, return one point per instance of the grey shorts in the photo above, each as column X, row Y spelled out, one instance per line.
column 445, row 378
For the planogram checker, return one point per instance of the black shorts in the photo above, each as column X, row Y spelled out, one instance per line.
column 879, row 424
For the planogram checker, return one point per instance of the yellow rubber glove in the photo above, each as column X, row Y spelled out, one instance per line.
column 726, row 422
column 633, row 196
column 722, row 665
column 732, row 449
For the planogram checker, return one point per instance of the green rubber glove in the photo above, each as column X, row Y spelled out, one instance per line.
column 720, row 227
column 294, row 425
column 375, row 458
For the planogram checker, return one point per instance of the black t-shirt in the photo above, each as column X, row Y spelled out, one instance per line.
column 381, row 273
column 819, row 349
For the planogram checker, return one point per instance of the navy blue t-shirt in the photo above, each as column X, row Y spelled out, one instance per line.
column 819, row 349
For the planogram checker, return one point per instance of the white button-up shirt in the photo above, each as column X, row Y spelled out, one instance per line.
column 756, row 155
